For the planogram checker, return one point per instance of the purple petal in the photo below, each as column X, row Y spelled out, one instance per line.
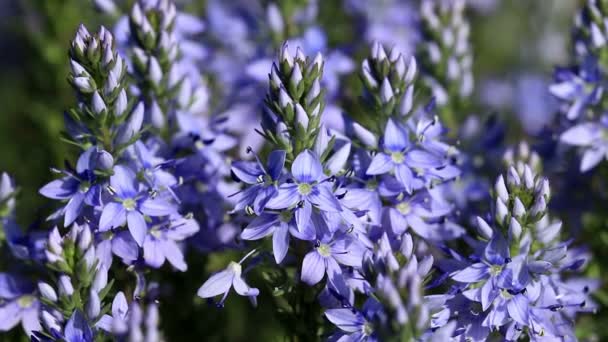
column 260, row 227
column 123, row 181
column 280, row 242
column 153, row 252
column 582, row 135
column 10, row 315
column 405, row 177
column 120, row 307
column 276, row 161
column 518, row 309
column 303, row 216
column 112, row 216
column 306, row 168
column 338, row 159
column 174, row 254
column 77, row 329
column 395, row 138
column 488, row 293
column 286, row 196
column 345, row 319
column 246, row 171
column 422, row 159
column 241, row 287
column 73, row 208
column 324, row 199
column 30, row 320
column 217, row 284
column 313, row 268
column 137, row 226
column 86, row 161
column 497, row 251
column 472, row 274
column 125, row 247
column 60, row 189
column 157, row 207
column 381, row 164
column 591, row 158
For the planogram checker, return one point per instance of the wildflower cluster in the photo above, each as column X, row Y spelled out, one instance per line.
column 581, row 87
column 515, row 280
column 446, row 54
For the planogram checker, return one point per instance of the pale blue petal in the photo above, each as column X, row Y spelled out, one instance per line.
column 313, row 268
column 306, row 168
column 217, row 284
column 260, row 227
column 280, row 242
column 112, row 216
column 472, row 274
column 395, row 137
column 137, row 226
column 381, row 164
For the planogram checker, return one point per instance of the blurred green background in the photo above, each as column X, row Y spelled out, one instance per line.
column 516, row 38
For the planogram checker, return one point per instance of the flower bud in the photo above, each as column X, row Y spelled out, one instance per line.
column 519, row 210
column 86, row 237
column 65, row 286
column 154, row 71
column 301, row 116
column 98, row 105
column 100, row 281
column 484, row 229
column 285, row 56
column 105, row 161
column 49, row 321
column 501, row 211
column 386, row 91
column 93, row 305
column 120, row 106
column 284, row 99
column 47, row 291
column 296, row 76
column 131, row 126
column 501, row 189
column 515, row 228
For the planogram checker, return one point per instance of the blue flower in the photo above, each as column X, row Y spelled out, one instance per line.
column 223, row 281
column 579, row 87
column 401, row 156
column 327, row 256
column 353, row 323
column 280, row 225
column 592, row 137
column 19, row 304
column 489, row 270
column 162, row 239
column 78, row 187
column 309, row 189
column 262, row 179
column 131, row 201
column 77, row 329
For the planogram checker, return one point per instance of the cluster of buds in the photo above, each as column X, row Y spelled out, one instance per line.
column 446, row 51
column 295, row 102
column 398, row 278
column 155, row 52
column 389, row 82
column 521, row 201
column 81, row 283
column 104, row 115
column 520, row 155
column 591, row 31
